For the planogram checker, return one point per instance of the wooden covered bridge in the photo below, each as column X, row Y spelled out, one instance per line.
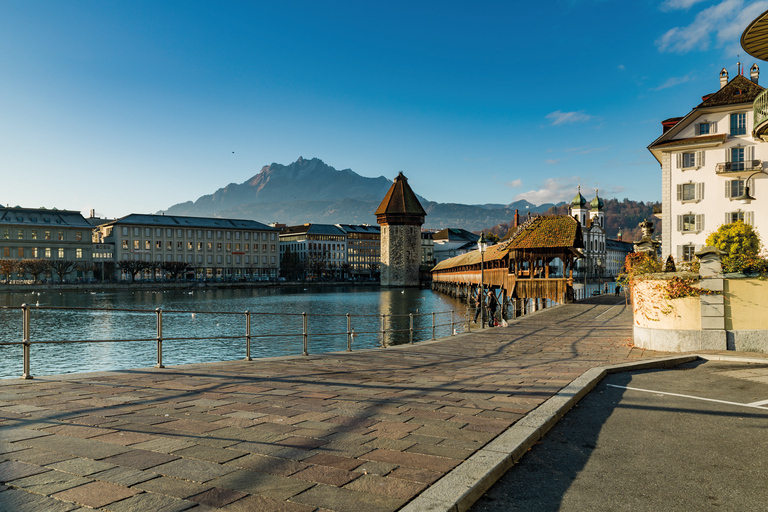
column 519, row 267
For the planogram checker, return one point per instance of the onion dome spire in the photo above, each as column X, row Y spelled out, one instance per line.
column 579, row 201
column 597, row 203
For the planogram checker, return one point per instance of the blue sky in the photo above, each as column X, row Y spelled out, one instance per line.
column 134, row 106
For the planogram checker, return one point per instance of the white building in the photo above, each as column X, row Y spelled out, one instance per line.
column 214, row 248
column 592, row 219
column 320, row 250
column 706, row 159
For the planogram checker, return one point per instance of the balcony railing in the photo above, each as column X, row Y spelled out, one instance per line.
column 732, row 167
column 760, row 111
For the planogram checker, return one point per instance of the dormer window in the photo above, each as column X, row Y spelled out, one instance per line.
column 706, row 128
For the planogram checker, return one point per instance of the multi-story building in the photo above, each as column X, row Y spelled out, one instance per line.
column 54, row 235
column 314, row 251
column 708, row 159
column 427, row 249
column 592, row 219
column 616, row 254
column 363, row 249
column 214, row 248
column 451, row 242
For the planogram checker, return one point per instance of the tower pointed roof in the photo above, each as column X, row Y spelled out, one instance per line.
column 579, row 201
column 597, row 203
column 400, row 205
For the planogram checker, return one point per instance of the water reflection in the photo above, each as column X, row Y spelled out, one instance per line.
column 276, row 324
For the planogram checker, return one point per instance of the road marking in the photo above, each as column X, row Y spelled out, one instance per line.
column 606, row 311
column 754, row 405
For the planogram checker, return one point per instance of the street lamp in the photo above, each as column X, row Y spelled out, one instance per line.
column 481, row 246
column 746, row 198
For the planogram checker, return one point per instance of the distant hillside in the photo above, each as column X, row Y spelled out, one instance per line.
column 621, row 216
column 312, row 191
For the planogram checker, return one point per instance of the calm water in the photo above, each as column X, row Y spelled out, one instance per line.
column 276, row 324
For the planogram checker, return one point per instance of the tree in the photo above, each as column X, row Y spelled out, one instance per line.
column 741, row 244
column 132, row 267
column 175, row 268
column 290, row 265
column 34, row 267
column 7, row 266
column 669, row 265
column 63, row 267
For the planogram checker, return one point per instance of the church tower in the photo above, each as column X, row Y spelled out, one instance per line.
column 400, row 215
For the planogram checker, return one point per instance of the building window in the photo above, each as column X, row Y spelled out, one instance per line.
column 34, row 252
column 125, row 230
column 189, row 246
column 33, row 234
column 739, row 124
column 60, row 236
column 209, row 246
column 734, row 188
column 229, row 246
column 704, row 129
column 690, row 192
column 147, row 231
column 78, row 253
column 79, row 236
column 690, row 223
column 47, row 252
column 745, row 217
column 218, row 246
column 136, row 245
column 179, row 246
column 125, row 245
column 158, row 245
column 199, row 246
column 218, row 234
column 147, row 245
column 61, row 252
column 688, row 252
column 20, row 234
column 737, row 159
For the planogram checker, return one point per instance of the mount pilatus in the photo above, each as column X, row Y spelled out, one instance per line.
column 311, row 191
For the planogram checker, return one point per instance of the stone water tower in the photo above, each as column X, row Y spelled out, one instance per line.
column 400, row 215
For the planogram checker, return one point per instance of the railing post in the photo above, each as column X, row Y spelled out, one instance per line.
column 453, row 329
column 349, row 332
column 410, row 332
column 383, row 330
column 433, row 325
column 306, row 347
column 247, row 335
column 159, row 312
column 469, row 317
column 25, row 340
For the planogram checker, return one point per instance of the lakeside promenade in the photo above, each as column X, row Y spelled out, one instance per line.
column 366, row 430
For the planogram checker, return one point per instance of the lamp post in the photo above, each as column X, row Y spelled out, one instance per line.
column 481, row 245
column 746, row 198
column 598, row 271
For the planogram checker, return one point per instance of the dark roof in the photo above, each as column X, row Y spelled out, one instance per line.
column 400, row 200
column 738, row 90
column 359, row 228
column 177, row 221
column 43, row 217
column 703, row 139
column 619, row 245
column 455, row 235
column 313, row 229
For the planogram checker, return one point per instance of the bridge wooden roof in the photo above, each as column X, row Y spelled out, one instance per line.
column 547, row 234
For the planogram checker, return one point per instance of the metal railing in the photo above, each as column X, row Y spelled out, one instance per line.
column 747, row 166
column 387, row 328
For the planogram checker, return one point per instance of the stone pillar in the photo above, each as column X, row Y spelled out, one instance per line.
column 713, row 334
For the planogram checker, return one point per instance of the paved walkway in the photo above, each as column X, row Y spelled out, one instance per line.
column 367, row 430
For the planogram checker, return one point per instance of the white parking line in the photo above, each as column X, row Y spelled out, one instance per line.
column 754, row 405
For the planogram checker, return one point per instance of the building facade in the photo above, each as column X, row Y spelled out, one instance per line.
column 216, row 249
column 451, row 242
column 592, row 219
column 313, row 251
column 42, row 234
column 708, row 159
column 363, row 249
column 400, row 216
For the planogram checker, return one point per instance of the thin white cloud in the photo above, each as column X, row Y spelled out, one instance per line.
column 674, row 5
column 553, row 190
column 621, row 67
column 725, row 20
column 673, row 81
column 558, row 117
column 514, row 184
column 552, row 161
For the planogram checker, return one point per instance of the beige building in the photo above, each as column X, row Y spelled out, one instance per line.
column 214, row 248
column 363, row 249
column 39, row 233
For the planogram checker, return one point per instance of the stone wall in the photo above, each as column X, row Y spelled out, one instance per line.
column 400, row 255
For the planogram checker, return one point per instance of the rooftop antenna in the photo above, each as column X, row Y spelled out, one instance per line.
column 738, row 64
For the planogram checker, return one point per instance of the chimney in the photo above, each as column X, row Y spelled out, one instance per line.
column 517, row 218
column 754, row 72
column 93, row 214
column 723, row 77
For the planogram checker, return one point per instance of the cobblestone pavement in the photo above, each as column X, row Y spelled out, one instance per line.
column 366, row 430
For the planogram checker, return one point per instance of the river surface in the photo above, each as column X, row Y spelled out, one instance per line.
column 217, row 314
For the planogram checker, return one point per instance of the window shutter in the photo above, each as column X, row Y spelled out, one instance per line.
column 727, row 217
column 728, row 189
column 749, row 218
column 727, row 155
column 699, row 159
column 712, row 127
column 698, row 129
column 679, row 192
column 700, row 222
column 679, row 253
column 699, row 191
column 679, row 222
column 679, row 160
column 749, row 154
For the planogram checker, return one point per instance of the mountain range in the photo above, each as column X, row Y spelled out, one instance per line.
column 312, row 191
